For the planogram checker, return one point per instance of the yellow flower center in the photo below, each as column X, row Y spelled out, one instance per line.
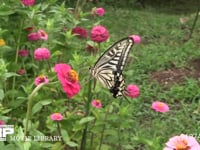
column 72, row 76
column 160, row 105
column 98, row 102
column 2, row 42
column 42, row 78
column 43, row 33
column 182, row 145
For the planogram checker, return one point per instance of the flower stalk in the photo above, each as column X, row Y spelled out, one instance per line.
column 29, row 108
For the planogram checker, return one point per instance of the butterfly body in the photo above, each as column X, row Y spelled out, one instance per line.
column 108, row 68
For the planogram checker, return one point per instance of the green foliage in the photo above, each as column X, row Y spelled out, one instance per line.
column 118, row 124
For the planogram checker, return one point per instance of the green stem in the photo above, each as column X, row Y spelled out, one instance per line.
column 84, row 136
column 76, row 13
column 103, row 129
column 29, row 107
column 195, row 21
column 59, row 132
column 17, row 51
column 49, row 65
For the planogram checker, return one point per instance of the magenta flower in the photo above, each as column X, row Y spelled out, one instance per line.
column 136, row 38
column 21, row 71
column 80, row 32
column 33, row 36
column 28, row 2
column 41, row 79
column 160, row 106
column 132, row 91
column 42, row 34
column 23, row 53
column 2, row 122
column 56, row 117
column 99, row 34
column 182, row 142
column 68, row 78
column 100, row 11
column 96, row 103
column 41, row 54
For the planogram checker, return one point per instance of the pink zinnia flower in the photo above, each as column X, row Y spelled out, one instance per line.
column 41, row 79
column 80, row 32
column 182, row 142
column 56, row 116
column 21, row 71
column 136, row 38
column 132, row 91
column 23, row 53
column 2, row 122
column 160, row 106
column 28, row 2
column 33, row 36
column 68, row 78
column 99, row 34
column 100, row 11
column 42, row 34
column 41, row 54
column 96, row 103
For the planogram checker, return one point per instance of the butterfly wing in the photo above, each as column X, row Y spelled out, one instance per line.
column 116, row 55
column 108, row 68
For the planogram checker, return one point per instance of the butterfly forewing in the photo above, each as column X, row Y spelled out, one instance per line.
column 115, row 57
column 108, row 68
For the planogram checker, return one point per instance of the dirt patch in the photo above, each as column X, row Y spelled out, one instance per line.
column 177, row 75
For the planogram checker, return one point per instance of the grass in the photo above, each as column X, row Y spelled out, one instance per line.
column 162, row 48
column 118, row 125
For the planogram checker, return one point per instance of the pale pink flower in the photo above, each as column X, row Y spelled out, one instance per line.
column 33, row 36
column 160, row 106
column 2, row 122
column 23, row 53
column 100, row 11
column 68, row 78
column 136, row 38
column 42, row 54
column 132, row 91
column 99, row 34
column 182, row 142
column 80, row 32
column 42, row 34
column 28, row 2
column 21, row 71
column 41, row 79
column 56, row 116
column 96, row 103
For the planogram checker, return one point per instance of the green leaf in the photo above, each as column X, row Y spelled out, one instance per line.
column 36, row 108
column 72, row 144
column 45, row 102
column 6, row 10
column 1, row 94
column 10, row 74
column 27, row 145
column 86, row 119
column 57, row 146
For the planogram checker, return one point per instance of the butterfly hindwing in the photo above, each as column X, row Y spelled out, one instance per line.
column 108, row 68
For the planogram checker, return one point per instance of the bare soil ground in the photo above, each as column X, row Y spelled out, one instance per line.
column 177, row 75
